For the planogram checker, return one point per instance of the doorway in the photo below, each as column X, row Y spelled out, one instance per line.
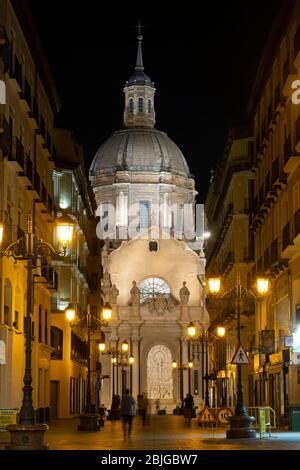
column 54, row 387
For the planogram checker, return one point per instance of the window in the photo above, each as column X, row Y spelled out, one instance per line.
column 131, row 105
column 40, row 323
column 149, row 106
column 7, row 302
column 16, row 322
column 46, row 326
column 152, row 286
column 56, row 343
column 144, row 214
column 140, row 105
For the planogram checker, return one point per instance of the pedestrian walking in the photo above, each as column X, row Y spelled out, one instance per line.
column 127, row 412
column 188, row 408
column 143, row 405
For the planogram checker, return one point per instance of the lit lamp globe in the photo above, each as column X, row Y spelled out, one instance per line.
column 70, row 312
column 101, row 347
column 125, row 346
column 106, row 311
column 191, row 330
column 214, row 285
column 262, row 285
column 221, row 331
column 1, row 232
column 64, row 228
column 190, row 364
column 114, row 360
column 174, row 364
column 131, row 360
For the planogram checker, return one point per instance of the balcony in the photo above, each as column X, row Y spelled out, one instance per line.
column 34, row 114
column 291, row 159
column 17, row 74
column 47, row 276
column 297, row 227
column 288, row 246
column 5, row 136
column 25, row 95
column 17, row 153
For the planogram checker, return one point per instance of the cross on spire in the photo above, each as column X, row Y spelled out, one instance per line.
column 139, row 27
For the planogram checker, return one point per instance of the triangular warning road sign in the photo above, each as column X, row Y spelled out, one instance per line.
column 206, row 416
column 240, row 356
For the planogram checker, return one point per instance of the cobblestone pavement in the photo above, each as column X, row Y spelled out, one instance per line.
column 163, row 432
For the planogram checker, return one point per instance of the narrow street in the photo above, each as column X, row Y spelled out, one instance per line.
column 163, row 433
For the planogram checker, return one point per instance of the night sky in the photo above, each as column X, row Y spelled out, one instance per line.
column 202, row 63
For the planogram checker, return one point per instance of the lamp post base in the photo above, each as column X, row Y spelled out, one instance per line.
column 27, row 437
column 241, row 427
column 89, row 423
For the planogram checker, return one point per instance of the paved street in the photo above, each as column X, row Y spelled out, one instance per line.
column 163, row 432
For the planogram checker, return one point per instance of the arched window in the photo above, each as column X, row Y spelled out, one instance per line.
column 149, row 106
column 56, row 342
column 131, row 105
column 7, row 302
column 140, row 105
column 152, row 286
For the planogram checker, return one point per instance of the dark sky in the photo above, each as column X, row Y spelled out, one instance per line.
column 201, row 55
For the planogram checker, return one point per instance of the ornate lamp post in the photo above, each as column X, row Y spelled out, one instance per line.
column 181, row 367
column 204, row 338
column 27, row 434
column 89, row 420
column 119, row 357
column 240, row 423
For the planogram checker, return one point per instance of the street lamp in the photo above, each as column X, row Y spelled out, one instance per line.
column 1, row 231
column 204, row 338
column 240, row 423
column 27, row 434
column 89, row 420
column 119, row 357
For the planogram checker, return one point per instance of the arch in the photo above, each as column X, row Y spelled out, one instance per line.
column 131, row 105
column 140, row 105
column 7, row 302
column 159, row 373
column 149, row 107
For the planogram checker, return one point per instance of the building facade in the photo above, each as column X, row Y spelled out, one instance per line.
column 42, row 173
column 26, row 167
column 275, row 217
column 230, row 255
column 145, row 196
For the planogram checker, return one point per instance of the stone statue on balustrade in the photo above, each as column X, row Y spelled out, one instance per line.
column 135, row 294
column 114, row 292
column 105, row 258
column 106, row 287
column 184, row 294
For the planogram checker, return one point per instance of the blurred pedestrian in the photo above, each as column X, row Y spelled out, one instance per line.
column 188, row 408
column 127, row 412
column 143, row 405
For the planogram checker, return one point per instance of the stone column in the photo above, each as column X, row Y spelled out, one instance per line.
column 136, row 365
column 184, row 342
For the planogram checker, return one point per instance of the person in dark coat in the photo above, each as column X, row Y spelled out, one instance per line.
column 127, row 412
column 188, row 408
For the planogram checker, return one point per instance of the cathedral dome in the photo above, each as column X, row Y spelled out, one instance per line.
column 142, row 149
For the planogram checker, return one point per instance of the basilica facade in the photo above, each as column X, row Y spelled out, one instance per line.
column 153, row 263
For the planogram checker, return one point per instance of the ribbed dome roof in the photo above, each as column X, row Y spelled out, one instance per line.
column 139, row 149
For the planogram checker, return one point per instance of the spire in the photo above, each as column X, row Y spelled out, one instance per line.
column 139, row 57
